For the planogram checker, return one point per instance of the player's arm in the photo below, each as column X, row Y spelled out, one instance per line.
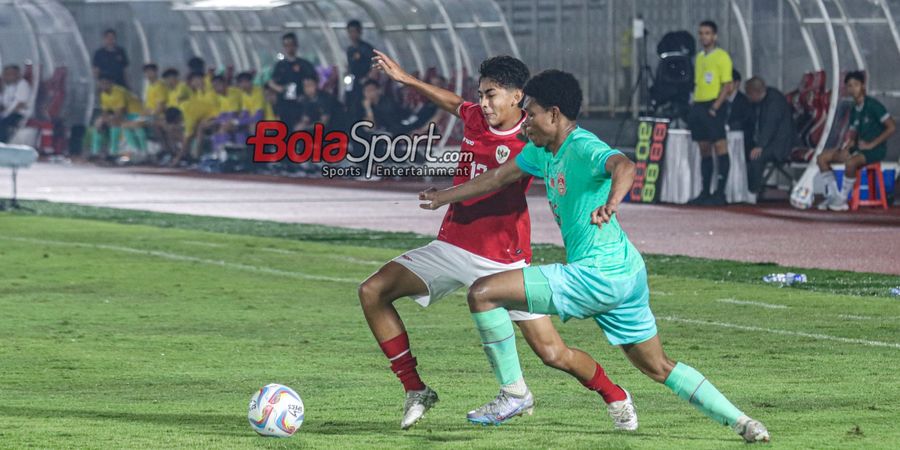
column 723, row 94
column 622, row 170
column 490, row 181
column 889, row 128
column 443, row 98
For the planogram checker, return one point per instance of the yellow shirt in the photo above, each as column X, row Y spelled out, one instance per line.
column 157, row 93
column 228, row 103
column 711, row 71
column 178, row 95
column 254, row 101
column 119, row 99
column 196, row 109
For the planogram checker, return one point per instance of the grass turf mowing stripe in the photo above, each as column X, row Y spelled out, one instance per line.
column 828, row 281
column 823, row 337
column 187, row 258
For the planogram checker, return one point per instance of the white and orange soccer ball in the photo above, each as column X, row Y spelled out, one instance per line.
column 276, row 410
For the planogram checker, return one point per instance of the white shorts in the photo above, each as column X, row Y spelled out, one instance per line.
column 445, row 268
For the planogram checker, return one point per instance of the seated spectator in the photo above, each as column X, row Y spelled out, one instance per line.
column 318, row 107
column 870, row 127
column 157, row 92
column 773, row 135
column 14, row 105
column 423, row 112
column 739, row 112
column 166, row 130
column 199, row 114
column 118, row 107
column 253, row 99
column 378, row 108
column 228, row 104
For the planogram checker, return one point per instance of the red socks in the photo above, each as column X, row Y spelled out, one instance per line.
column 402, row 362
column 605, row 387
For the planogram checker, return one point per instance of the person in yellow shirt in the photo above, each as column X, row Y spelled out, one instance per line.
column 119, row 107
column 199, row 114
column 228, row 102
column 157, row 92
column 712, row 87
column 254, row 106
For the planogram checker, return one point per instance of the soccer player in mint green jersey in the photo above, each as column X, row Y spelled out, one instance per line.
column 604, row 278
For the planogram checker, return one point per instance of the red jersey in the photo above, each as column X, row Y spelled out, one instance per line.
column 495, row 226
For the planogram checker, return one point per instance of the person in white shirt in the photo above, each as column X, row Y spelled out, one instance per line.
column 14, row 104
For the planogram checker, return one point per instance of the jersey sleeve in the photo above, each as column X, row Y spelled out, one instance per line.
column 468, row 111
column 725, row 68
column 879, row 112
column 597, row 154
column 529, row 160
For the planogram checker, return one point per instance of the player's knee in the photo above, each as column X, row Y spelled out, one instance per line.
column 479, row 294
column 659, row 370
column 370, row 292
column 555, row 356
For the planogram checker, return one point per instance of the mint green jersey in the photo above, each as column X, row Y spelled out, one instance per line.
column 577, row 183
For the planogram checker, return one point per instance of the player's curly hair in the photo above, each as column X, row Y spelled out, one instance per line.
column 556, row 88
column 508, row 72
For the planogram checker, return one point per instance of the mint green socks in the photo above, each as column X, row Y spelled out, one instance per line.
column 499, row 342
column 692, row 386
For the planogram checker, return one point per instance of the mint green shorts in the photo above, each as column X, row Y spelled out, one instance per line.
column 620, row 305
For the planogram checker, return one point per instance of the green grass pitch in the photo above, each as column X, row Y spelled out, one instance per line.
column 139, row 330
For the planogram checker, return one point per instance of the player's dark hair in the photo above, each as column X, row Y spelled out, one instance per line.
column 556, row 88
column 109, row 31
column 735, row 75
column 244, row 76
column 173, row 115
column 289, row 37
column 858, row 75
column 196, row 65
column 218, row 78
column 508, row 72
column 151, row 66
column 355, row 24
column 170, row 72
column 712, row 26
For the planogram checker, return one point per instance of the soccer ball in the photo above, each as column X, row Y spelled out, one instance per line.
column 276, row 410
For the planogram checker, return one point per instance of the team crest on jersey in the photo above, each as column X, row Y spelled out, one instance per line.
column 502, row 154
column 561, row 184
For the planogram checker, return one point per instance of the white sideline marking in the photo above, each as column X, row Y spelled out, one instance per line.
column 203, row 244
column 734, row 301
column 177, row 257
column 823, row 337
column 852, row 317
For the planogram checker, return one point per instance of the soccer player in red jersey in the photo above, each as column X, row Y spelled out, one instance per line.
column 478, row 237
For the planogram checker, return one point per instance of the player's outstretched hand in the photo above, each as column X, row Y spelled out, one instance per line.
column 389, row 66
column 430, row 197
column 603, row 214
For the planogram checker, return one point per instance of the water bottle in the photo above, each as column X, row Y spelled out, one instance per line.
column 895, row 291
column 785, row 279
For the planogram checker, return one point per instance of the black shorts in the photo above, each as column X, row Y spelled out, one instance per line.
column 706, row 128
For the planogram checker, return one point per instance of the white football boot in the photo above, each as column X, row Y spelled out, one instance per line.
column 623, row 413
column 751, row 430
column 502, row 408
column 417, row 403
